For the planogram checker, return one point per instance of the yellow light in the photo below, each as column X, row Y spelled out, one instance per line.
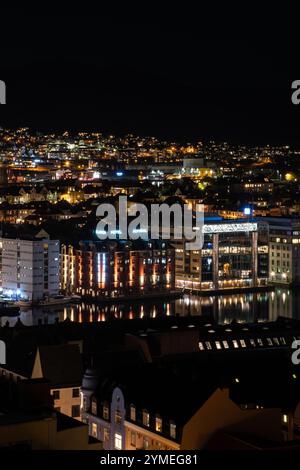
column 294, row 376
column 290, row 177
column 237, row 380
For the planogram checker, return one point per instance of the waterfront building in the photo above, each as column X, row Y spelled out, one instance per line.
column 29, row 266
column 234, row 254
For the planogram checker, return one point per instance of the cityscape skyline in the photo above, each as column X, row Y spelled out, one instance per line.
column 149, row 240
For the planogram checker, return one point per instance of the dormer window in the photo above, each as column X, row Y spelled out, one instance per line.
column 132, row 413
column 105, row 412
column 158, row 424
column 94, row 406
column 173, row 430
column 146, row 418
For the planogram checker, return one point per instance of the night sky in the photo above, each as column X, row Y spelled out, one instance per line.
column 148, row 76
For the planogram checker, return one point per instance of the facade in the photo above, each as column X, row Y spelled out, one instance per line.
column 284, row 250
column 121, row 425
column 61, row 366
column 95, row 268
column 29, row 267
column 33, row 425
column 234, row 254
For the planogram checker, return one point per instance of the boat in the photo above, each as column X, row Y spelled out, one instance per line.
column 56, row 300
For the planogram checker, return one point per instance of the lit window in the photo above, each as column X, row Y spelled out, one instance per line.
column 243, row 344
column 146, row 418
column 173, row 430
column 259, row 342
column 269, row 341
column 235, row 344
column 208, row 345
column 105, row 435
column 94, row 407
column 201, row 347
column 94, row 430
column 218, row 345
column 105, row 412
column 158, row 424
column 133, row 439
column 252, row 342
column 132, row 413
column 276, row 341
column 118, row 441
column 225, row 344
column 282, row 340
column 285, row 419
column 145, row 443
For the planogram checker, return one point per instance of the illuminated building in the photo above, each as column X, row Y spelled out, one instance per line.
column 95, row 268
column 234, row 254
column 284, row 250
column 29, row 266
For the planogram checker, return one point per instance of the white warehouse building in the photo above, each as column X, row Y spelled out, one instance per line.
column 29, row 267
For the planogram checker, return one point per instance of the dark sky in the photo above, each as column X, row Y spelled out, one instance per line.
column 148, row 76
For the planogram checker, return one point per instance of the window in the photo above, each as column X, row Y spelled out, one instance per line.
column 276, row 341
column 75, row 393
column 132, row 413
column 75, row 411
column 252, row 342
column 269, row 341
column 105, row 435
column 56, row 394
column 208, row 345
column 118, row 441
column 285, row 419
column 94, row 406
column 225, row 344
column 105, row 412
column 201, row 347
column 218, row 345
column 146, row 419
column 145, row 443
column 282, row 340
column 94, row 430
column 173, row 430
column 259, row 342
column 133, row 439
column 118, row 417
column 158, row 424
column 235, row 343
column 243, row 344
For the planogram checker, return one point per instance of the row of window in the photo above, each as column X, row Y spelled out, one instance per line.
column 145, row 418
column 241, row 343
column 75, row 393
column 158, row 421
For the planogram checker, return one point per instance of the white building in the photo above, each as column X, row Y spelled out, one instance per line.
column 29, row 268
column 284, row 250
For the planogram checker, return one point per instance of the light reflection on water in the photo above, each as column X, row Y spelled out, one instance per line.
column 263, row 306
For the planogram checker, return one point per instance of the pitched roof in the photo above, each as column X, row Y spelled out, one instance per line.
column 61, row 364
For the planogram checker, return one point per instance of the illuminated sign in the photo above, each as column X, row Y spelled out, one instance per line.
column 224, row 228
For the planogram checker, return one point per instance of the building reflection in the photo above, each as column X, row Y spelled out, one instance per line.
column 249, row 307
